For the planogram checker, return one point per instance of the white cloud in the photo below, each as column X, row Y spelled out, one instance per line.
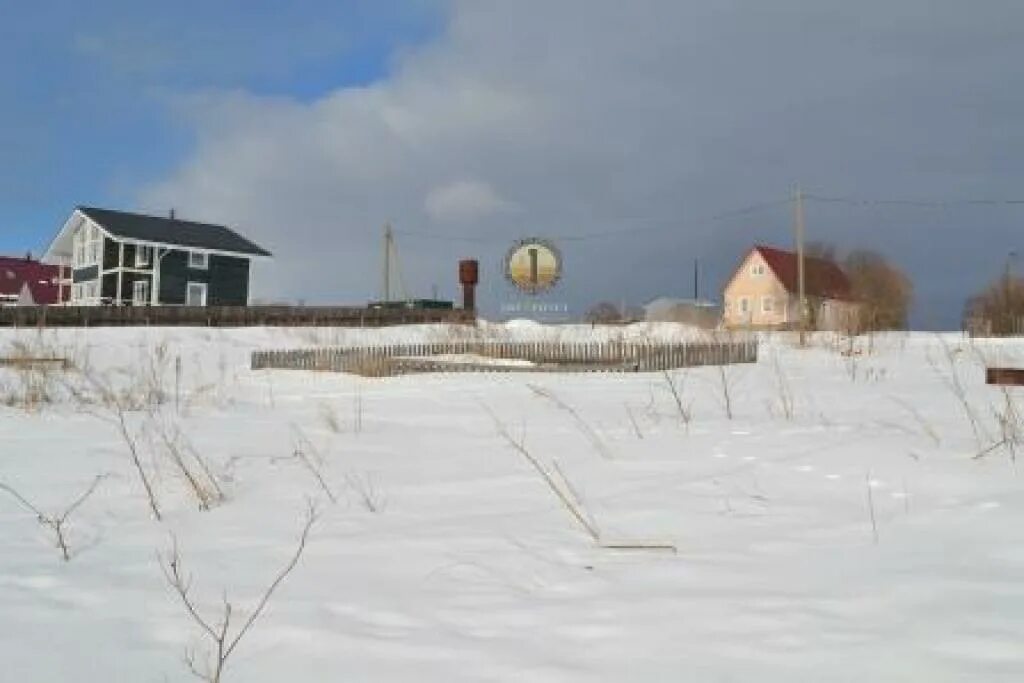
column 464, row 201
column 601, row 115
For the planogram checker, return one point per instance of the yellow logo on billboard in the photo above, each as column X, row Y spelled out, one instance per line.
column 533, row 265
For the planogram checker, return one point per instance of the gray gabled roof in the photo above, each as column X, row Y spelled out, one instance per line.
column 172, row 231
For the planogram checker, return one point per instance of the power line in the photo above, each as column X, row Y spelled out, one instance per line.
column 942, row 203
column 667, row 226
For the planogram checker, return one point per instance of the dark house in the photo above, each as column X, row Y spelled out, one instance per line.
column 27, row 282
column 129, row 259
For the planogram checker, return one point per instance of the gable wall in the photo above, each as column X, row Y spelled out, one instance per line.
column 755, row 288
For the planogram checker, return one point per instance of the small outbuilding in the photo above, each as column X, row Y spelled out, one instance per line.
column 697, row 312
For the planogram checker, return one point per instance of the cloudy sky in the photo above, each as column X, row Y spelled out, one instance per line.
column 637, row 136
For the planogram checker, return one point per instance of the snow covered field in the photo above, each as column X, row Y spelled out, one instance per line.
column 855, row 539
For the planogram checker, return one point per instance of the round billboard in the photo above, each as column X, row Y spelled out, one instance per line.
column 533, row 265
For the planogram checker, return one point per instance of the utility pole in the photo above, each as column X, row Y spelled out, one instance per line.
column 798, row 216
column 696, row 288
column 387, row 262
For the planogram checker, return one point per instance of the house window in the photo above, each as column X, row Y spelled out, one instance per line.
column 143, row 256
column 87, row 246
column 744, row 305
column 198, row 259
column 85, row 292
column 95, row 245
column 140, row 292
column 195, row 295
column 767, row 304
column 757, row 269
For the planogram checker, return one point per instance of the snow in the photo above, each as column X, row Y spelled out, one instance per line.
column 471, row 569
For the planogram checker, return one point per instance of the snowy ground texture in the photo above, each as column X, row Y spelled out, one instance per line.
column 470, row 568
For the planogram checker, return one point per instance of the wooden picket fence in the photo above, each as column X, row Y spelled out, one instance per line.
column 400, row 359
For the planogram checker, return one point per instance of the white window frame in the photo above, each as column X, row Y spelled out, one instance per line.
column 188, row 291
column 143, row 256
column 87, row 246
column 757, row 269
column 85, row 292
column 767, row 304
column 199, row 260
column 745, row 305
column 140, row 292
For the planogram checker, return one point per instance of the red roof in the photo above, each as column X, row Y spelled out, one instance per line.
column 822, row 278
column 41, row 279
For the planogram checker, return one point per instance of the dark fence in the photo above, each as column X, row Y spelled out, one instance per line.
column 398, row 359
column 224, row 316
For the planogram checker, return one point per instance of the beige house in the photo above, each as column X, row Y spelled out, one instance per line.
column 763, row 292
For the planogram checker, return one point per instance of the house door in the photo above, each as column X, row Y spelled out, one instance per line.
column 196, row 294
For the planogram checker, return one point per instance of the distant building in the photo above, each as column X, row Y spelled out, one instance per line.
column 698, row 312
column 129, row 259
column 27, row 282
column 763, row 293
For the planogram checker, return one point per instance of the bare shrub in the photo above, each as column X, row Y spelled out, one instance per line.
column 926, row 426
column 871, row 507
column 190, row 465
column 222, row 641
column 56, row 522
column 366, row 490
column 112, row 406
column 685, row 411
column 595, row 439
column 632, row 421
column 357, row 410
column 725, row 384
column 309, row 456
column 951, row 380
column 1011, row 427
column 330, row 418
column 782, row 387
column 564, row 494
column 569, row 497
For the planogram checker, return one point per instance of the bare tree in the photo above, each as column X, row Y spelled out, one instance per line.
column 882, row 291
column 55, row 522
column 999, row 309
column 603, row 313
column 222, row 640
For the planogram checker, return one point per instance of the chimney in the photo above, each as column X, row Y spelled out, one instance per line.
column 28, row 255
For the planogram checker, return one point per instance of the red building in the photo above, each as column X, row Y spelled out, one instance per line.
column 27, row 282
